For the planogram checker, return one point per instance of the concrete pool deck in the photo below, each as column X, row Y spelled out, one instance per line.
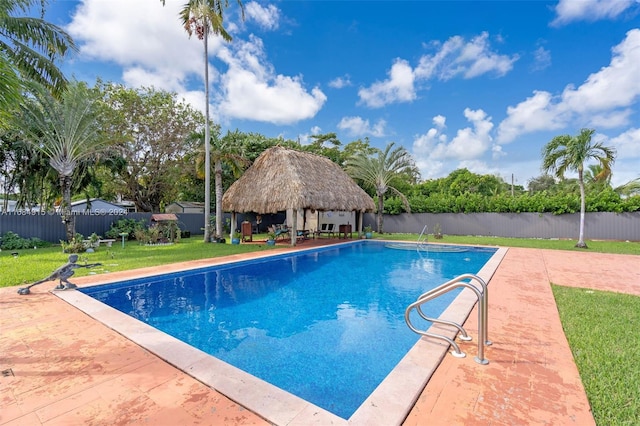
column 61, row 367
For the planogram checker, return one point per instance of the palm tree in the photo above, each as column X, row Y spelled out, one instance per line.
column 223, row 151
column 67, row 132
column 28, row 48
column 378, row 172
column 598, row 174
column 567, row 152
column 630, row 188
column 204, row 17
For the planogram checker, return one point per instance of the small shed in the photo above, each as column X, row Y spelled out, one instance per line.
column 283, row 179
column 185, row 207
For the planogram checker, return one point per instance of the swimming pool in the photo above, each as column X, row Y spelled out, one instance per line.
column 232, row 309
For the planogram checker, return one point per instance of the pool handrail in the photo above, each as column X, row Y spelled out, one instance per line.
column 483, row 302
column 423, row 239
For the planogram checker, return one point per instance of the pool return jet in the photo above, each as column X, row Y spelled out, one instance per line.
column 63, row 274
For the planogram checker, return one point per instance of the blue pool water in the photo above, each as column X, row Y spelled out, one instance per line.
column 326, row 325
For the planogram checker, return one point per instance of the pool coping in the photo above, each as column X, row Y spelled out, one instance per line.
column 389, row 404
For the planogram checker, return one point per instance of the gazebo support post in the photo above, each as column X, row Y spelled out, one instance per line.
column 360, row 223
column 234, row 223
column 294, row 228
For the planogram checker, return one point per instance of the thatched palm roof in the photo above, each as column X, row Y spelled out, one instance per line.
column 282, row 179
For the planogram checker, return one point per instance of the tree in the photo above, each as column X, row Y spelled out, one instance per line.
column 149, row 129
column 462, row 181
column 204, row 17
column 541, row 183
column 25, row 172
column 570, row 153
column 28, row 48
column 630, row 188
column 226, row 151
column 67, row 132
column 378, row 172
column 327, row 145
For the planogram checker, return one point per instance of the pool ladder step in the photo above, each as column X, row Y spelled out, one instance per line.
column 479, row 287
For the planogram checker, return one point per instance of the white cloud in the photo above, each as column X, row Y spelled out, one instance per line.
column 478, row 167
column 423, row 145
column 251, row 90
column 470, row 142
column 533, row 114
column 613, row 86
column 589, row 10
column 267, row 17
column 340, row 82
column 397, row 88
column 497, row 152
column 478, row 59
column 627, row 145
column 456, row 57
column 163, row 79
column 610, row 119
column 433, row 150
column 148, row 41
column 141, row 34
column 440, row 121
column 357, row 126
column 469, row 59
column 279, row 100
column 542, row 59
column 603, row 99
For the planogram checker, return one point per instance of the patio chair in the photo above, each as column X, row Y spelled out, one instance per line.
column 327, row 228
column 281, row 230
column 302, row 233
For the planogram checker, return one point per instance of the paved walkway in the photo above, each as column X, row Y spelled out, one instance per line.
column 60, row 367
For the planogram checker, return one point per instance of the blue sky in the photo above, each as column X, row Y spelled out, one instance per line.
column 482, row 84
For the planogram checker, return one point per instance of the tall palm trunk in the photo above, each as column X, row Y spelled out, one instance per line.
column 581, row 242
column 207, row 143
column 218, row 185
column 67, row 218
column 379, row 218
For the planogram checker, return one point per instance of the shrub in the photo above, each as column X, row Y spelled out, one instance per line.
column 130, row 226
column 142, row 236
column 12, row 241
column 76, row 245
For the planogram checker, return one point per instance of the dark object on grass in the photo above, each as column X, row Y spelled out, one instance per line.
column 63, row 274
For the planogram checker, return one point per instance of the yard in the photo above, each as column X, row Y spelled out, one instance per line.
column 598, row 325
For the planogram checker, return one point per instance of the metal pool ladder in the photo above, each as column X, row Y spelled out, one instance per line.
column 423, row 239
column 483, row 303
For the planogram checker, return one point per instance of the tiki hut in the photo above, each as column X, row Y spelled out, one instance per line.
column 284, row 179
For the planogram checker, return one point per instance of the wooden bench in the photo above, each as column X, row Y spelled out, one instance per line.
column 89, row 243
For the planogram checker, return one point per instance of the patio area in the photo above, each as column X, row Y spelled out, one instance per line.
column 61, row 367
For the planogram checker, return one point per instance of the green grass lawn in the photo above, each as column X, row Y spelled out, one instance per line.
column 617, row 247
column 602, row 330
column 33, row 265
column 601, row 327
